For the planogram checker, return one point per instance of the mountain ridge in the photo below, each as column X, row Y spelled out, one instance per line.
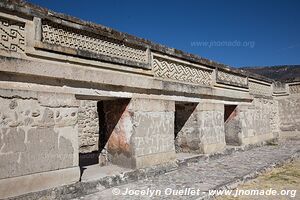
column 284, row 73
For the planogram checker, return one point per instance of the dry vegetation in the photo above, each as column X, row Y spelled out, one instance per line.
column 283, row 178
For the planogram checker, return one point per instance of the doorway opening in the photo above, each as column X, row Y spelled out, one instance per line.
column 185, row 124
column 97, row 121
column 231, row 125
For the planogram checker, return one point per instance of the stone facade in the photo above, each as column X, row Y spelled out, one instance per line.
column 12, row 35
column 153, row 131
column 57, row 34
column 289, row 112
column 68, row 87
column 253, row 123
column 165, row 68
column 232, row 79
column 294, row 89
column 258, row 88
column 139, row 136
column 129, row 135
column 38, row 134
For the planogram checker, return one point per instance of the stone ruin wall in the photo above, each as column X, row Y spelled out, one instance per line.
column 258, row 122
column 254, row 122
column 129, row 130
column 55, row 70
column 38, row 134
column 289, row 111
column 199, row 127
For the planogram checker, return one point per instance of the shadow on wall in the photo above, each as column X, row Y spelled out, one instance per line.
column 231, row 125
column 183, row 111
column 109, row 115
column 229, row 112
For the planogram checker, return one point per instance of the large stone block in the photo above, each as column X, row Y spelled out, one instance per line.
column 289, row 114
column 16, row 186
column 200, row 127
column 252, row 123
column 139, row 131
column 35, row 137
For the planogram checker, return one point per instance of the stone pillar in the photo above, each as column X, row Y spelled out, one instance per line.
column 38, row 141
column 200, row 127
column 232, row 125
column 140, row 131
column 252, row 123
column 153, row 131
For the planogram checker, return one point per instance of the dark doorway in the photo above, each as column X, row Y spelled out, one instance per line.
column 106, row 117
column 228, row 111
column 92, row 158
column 231, row 125
column 109, row 113
column 183, row 112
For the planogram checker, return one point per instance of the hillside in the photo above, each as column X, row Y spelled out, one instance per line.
column 280, row 73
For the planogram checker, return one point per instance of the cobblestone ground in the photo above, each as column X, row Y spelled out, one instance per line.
column 203, row 175
column 284, row 180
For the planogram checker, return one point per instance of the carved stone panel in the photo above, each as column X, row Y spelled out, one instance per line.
column 260, row 89
column 182, row 72
column 12, row 35
column 294, row 89
column 231, row 79
column 91, row 42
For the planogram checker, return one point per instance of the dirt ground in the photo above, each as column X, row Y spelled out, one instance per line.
column 286, row 177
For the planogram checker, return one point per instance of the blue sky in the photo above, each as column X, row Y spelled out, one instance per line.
column 233, row 32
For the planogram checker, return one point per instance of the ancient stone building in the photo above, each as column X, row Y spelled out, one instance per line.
column 73, row 93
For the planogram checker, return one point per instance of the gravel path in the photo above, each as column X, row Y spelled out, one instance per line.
column 203, row 175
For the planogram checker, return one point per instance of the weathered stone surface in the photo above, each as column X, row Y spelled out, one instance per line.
column 34, row 139
column 88, row 126
column 200, row 127
column 289, row 112
column 260, row 88
column 134, row 133
column 188, row 73
column 119, row 132
column 253, row 123
column 62, row 82
column 232, row 79
column 16, row 186
column 57, row 100
column 153, row 134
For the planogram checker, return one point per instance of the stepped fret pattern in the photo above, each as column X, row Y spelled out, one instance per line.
column 232, row 78
column 12, row 35
column 182, row 72
column 294, row 89
column 260, row 89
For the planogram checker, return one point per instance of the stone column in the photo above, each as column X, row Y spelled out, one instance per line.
column 153, row 131
column 201, row 127
column 141, row 132
column 253, row 122
column 38, row 141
